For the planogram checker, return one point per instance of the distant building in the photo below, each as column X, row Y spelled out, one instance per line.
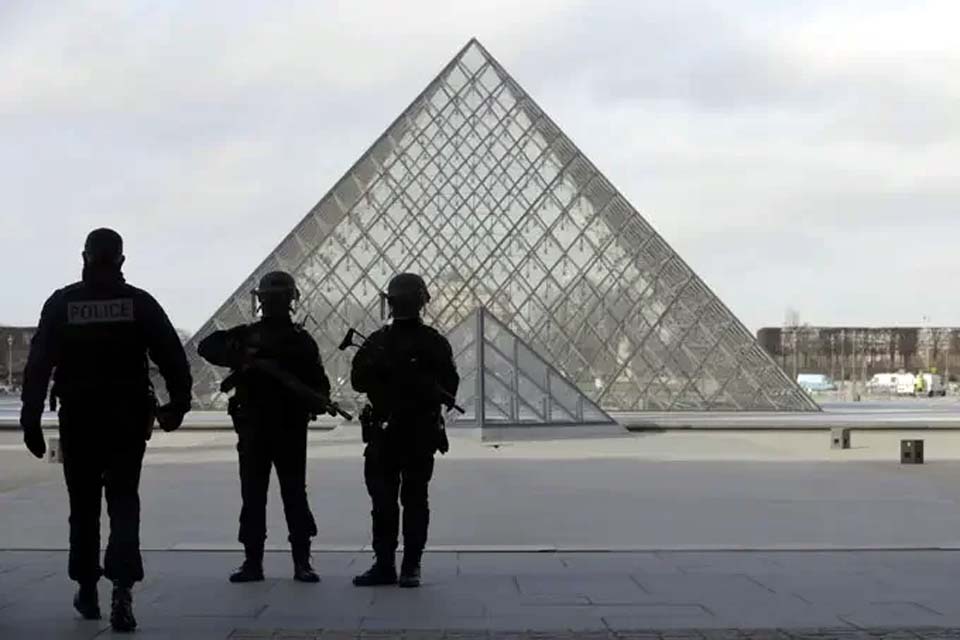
column 857, row 353
column 14, row 347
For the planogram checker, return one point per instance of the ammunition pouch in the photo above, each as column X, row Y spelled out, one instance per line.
column 235, row 411
column 371, row 424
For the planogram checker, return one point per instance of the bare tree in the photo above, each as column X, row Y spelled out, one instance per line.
column 953, row 347
column 791, row 328
column 939, row 344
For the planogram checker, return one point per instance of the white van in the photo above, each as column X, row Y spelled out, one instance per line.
column 932, row 385
column 906, row 383
column 883, row 382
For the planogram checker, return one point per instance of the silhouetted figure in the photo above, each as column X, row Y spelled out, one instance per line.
column 95, row 336
column 271, row 420
column 404, row 368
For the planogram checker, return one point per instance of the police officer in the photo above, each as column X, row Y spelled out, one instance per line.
column 407, row 371
column 271, row 420
column 95, row 336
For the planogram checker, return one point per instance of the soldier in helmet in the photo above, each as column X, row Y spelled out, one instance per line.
column 271, row 420
column 407, row 371
column 95, row 337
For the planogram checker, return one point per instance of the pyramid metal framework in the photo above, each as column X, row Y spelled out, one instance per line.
column 503, row 382
column 474, row 187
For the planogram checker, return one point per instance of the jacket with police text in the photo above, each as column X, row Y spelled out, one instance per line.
column 95, row 337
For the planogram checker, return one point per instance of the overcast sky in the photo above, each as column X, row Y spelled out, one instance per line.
column 796, row 153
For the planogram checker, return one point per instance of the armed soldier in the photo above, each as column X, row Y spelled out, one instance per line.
column 95, row 337
column 271, row 419
column 407, row 371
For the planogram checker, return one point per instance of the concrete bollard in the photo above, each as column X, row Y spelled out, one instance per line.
column 54, row 453
column 839, row 438
column 911, row 452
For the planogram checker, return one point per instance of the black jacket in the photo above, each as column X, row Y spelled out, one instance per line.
column 402, row 367
column 95, row 336
column 277, row 339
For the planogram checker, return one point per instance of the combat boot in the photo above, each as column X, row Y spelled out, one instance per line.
column 383, row 572
column 121, row 614
column 302, row 571
column 252, row 568
column 410, row 571
column 87, row 601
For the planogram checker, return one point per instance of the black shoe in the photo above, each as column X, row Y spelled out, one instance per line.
column 302, row 571
column 87, row 601
column 379, row 574
column 409, row 576
column 252, row 568
column 249, row 571
column 121, row 615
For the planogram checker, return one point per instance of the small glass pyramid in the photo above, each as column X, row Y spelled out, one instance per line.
column 505, row 383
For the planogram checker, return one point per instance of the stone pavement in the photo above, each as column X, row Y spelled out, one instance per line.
column 680, row 533
column 638, row 492
column 679, row 594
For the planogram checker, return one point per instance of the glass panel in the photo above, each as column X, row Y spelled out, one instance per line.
column 564, row 400
column 591, row 413
column 533, row 401
column 497, row 401
column 532, row 367
column 496, row 364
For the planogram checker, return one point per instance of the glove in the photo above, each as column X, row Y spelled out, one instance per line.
column 170, row 416
column 32, row 432
column 33, row 438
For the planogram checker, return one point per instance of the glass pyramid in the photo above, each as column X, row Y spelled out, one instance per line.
column 503, row 382
column 474, row 187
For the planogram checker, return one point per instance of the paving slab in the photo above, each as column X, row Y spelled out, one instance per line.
column 186, row 594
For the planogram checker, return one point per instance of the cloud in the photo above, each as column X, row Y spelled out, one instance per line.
column 787, row 150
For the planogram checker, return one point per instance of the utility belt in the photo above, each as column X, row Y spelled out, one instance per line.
column 112, row 391
column 248, row 417
column 145, row 405
column 428, row 429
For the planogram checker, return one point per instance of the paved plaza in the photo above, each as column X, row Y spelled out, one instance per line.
column 186, row 594
column 685, row 533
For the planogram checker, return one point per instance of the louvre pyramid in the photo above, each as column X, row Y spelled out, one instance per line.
column 503, row 382
column 474, row 187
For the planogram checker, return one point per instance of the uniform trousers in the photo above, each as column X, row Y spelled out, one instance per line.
column 261, row 448
column 102, row 448
column 390, row 473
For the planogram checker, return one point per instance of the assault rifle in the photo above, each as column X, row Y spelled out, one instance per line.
column 348, row 342
column 316, row 402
